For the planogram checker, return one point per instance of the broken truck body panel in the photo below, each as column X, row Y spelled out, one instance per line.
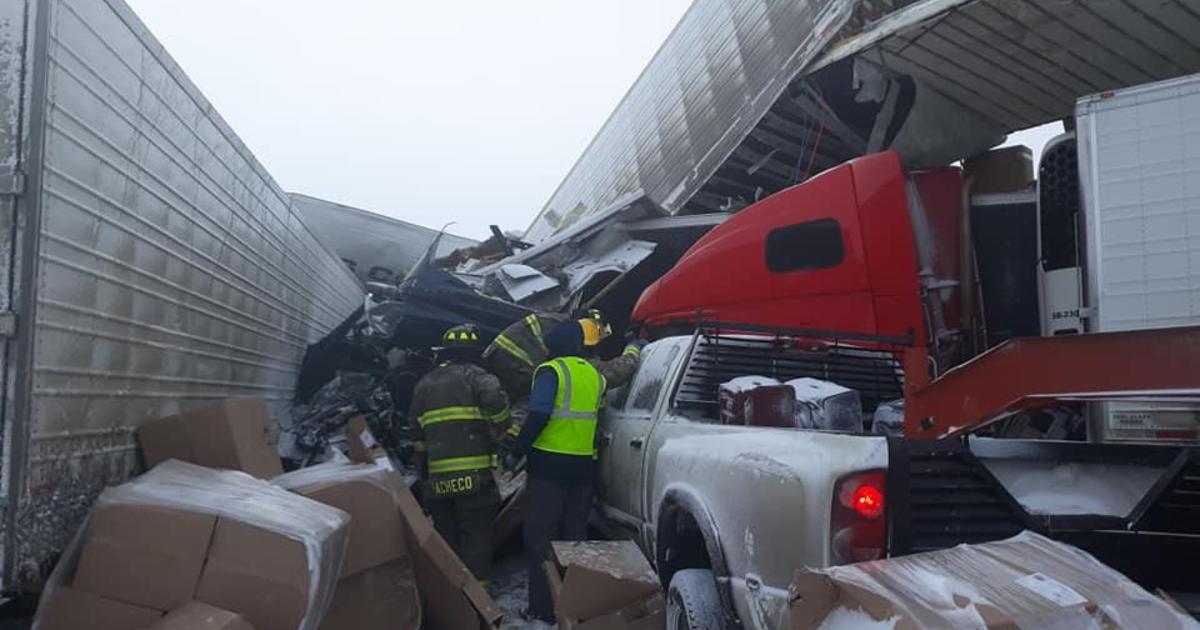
column 376, row 247
column 713, row 78
column 604, row 260
column 158, row 265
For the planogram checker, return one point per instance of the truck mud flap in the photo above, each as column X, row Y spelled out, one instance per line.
column 940, row 495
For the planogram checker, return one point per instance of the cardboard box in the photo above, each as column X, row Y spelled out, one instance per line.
column 361, row 442
column 381, row 598
column 451, row 598
column 262, row 575
column 200, row 616
column 1027, row 581
column 144, row 555
column 598, row 585
column 231, row 434
column 70, row 609
column 368, row 494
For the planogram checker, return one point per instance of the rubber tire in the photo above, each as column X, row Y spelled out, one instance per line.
column 693, row 602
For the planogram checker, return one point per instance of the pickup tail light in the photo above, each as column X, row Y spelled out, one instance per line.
column 859, row 523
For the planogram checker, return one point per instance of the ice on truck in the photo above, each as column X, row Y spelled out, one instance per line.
column 826, row 406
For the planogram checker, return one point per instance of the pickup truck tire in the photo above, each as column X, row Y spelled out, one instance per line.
column 693, row 602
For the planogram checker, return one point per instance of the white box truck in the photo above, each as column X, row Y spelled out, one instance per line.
column 1139, row 169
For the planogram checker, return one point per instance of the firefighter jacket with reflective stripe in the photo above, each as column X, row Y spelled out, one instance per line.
column 518, row 349
column 458, row 410
column 521, row 347
column 572, row 426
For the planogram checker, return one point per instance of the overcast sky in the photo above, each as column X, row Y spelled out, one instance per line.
column 469, row 111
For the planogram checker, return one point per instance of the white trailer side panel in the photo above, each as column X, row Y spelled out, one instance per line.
column 1139, row 157
column 162, row 267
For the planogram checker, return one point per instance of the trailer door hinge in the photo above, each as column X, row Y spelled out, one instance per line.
column 8, row 324
column 12, row 183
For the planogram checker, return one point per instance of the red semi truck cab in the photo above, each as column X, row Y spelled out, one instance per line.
column 861, row 248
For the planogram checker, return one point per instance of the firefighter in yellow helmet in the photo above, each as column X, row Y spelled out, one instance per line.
column 459, row 411
column 519, row 349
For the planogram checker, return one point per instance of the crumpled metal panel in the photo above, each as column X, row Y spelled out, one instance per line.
column 1019, row 63
column 380, row 249
column 713, row 79
column 171, row 270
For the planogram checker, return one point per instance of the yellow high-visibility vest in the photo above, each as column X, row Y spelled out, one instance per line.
column 572, row 426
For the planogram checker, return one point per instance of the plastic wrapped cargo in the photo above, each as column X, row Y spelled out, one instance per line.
column 1027, row 581
column 889, row 418
column 370, row 494
column 826, row 406
column 259, row 511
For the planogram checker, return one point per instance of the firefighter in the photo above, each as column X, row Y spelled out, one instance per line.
column 459, row 411
column 558, row 439
column 521, row 347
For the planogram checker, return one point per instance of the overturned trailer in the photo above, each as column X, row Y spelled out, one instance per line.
column 150, row 264
column 377, row 248
column 749, row 97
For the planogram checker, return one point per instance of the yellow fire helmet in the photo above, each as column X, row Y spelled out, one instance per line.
column 595, row 329
column 463, row 336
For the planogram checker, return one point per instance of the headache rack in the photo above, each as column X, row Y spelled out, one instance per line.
column 722, row 351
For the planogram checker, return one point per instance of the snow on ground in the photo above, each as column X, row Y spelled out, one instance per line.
column 510, row 584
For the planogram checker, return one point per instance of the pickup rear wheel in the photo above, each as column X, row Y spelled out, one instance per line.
column 693, row 602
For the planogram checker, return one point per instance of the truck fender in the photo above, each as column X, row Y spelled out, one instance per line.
column 677, row 502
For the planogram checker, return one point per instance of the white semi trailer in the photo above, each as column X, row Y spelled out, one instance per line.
column 148, row 264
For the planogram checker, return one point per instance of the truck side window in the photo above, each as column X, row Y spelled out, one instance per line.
column 810, row 245
column 617, row 397
column 651, row 375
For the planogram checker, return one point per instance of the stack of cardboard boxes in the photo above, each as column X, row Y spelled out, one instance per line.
column 198, row 546
column 376, row 587
column 194, row 547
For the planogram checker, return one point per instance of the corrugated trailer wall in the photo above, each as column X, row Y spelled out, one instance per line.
column 723, row 66
column 168, row 268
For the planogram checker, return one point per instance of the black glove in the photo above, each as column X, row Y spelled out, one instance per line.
column 511, row 461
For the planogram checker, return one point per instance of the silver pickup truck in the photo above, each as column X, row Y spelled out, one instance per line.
column 729, row 513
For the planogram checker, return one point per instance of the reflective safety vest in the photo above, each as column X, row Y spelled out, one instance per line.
column 572, row 426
